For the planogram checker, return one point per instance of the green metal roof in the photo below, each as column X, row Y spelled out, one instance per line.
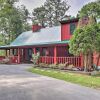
column 44, row 35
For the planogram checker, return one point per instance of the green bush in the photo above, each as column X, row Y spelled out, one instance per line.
column 43, row 65
column 70, row 67
column 35, row 58
column 54, row 66
column 61, row 66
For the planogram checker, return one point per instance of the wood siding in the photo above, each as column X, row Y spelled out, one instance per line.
column 65, row 31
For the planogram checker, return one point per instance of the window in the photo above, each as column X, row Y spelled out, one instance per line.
column 72, row 27
column 37, row 49
column 30, row 51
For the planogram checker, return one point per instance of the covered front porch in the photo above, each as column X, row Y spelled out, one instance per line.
column 49, row 54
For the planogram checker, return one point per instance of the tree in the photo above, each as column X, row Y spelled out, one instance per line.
column 90, row 9
column 84, row 42
column 97, row 42
column 12, row 20
column 51, row 12
column 39, row 16
column 56, row 9
column 98, row 1
column 5, row 11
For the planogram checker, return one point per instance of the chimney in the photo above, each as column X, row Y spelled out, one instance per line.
column 36, row 28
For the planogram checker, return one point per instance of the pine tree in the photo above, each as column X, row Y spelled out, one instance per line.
column 39, row 16
column 51, row 12
column 90, row 9
column 85, row 41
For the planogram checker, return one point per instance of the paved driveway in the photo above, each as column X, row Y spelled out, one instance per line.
column 18, row 84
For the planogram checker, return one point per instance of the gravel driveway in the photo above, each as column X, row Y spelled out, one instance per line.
column 18, row 84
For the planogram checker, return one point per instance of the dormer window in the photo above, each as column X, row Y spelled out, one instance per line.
column 72, row 27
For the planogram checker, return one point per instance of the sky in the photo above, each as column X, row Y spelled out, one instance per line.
column 76, row 5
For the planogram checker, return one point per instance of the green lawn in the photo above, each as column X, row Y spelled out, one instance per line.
column 90, row 81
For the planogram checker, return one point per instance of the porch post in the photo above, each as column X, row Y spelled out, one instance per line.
column 18, row 56
column 25, row 54
column 6, row 53
column 55, row 55
column 34, row 50
column 9, row 52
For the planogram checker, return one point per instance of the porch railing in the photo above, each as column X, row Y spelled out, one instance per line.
column 47, row 60
column 2, row 57
column 76, row 61
column 14, row 59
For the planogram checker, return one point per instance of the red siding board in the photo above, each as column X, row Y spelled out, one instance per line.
column 2, row 57
column 14, row 59
column 35, row 28
column 95, row 58
column 65, row 31
column 62, row 51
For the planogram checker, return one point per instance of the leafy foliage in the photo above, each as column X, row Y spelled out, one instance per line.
column 13, row 20
column 85, row 41
column 39, row 16
column 50, row 13
column 97, row 40
column 85, row 37
column 35, row 58
column 89, row 9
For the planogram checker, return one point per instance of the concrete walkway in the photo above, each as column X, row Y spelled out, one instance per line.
column 18, row 84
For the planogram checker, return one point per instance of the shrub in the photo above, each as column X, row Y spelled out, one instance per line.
column 95, row 73
column 54, row 66
column 35, row 58
column 43, row 65
column 35, row 66
column 70, row 67
column 5, row 61
column 61, row 66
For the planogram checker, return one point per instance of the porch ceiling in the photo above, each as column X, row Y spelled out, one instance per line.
column 40, row 44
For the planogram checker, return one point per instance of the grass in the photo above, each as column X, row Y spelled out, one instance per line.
column 85, row 80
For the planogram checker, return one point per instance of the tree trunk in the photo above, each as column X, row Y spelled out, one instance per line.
column 50, row 24
column 90, row 60
column 85, row 62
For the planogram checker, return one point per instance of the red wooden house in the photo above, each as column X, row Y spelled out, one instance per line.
column 52, row 43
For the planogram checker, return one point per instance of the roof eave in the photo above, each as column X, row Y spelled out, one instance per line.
column 44, row 44
column 70, row 20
